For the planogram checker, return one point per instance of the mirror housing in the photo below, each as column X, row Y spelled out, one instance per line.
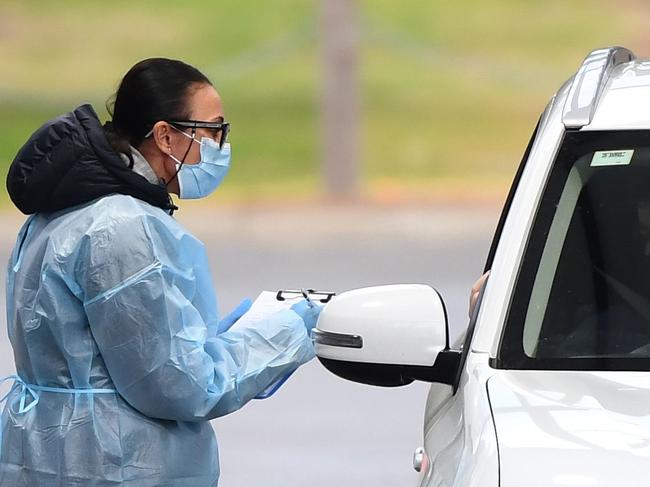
column 387, row 336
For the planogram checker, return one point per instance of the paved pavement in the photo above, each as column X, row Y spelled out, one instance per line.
column 319, row 430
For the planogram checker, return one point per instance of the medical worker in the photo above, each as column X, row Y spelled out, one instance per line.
column 121, row 360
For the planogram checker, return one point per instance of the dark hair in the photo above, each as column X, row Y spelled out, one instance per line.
column 152, row 90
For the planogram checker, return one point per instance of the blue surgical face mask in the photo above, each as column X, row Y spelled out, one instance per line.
column 201, row 179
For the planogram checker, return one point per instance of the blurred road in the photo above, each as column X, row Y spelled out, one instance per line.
column 319, row 430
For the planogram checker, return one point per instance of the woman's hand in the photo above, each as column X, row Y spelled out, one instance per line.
column 309, row 312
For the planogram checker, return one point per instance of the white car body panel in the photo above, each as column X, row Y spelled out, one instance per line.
column 592, row 427
column 460, row 438
column 625, row 103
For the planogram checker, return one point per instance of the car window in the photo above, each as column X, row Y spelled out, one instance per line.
column 582, row 297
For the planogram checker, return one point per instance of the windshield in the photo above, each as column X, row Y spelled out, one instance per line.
column 582, row 297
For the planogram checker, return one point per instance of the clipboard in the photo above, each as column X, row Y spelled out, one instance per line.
column 311, row 295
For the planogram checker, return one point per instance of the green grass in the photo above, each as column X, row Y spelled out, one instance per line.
column 450, row 91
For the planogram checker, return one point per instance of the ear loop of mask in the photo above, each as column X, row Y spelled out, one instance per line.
column 184, row 156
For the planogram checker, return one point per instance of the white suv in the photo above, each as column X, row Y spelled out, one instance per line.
column 551, row 386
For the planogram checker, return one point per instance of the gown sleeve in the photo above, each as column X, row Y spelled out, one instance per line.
column 151, row 308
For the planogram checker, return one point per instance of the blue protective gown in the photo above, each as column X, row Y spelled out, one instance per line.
column 113, row 320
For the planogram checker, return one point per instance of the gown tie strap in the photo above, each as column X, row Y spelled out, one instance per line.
column 29, row 396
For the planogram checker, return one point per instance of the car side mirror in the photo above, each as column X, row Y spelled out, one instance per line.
column 387, row 336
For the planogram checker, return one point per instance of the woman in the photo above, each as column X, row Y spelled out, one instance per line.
column 112, row 315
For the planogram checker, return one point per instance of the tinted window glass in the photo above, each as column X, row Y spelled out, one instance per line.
column 582, row 297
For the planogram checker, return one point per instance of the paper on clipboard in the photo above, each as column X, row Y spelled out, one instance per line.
column 264, row 306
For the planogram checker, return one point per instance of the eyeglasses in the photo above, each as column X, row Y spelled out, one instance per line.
column 219, row 130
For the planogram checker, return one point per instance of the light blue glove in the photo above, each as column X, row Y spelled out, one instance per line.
column 227, row 321
column 309, row 312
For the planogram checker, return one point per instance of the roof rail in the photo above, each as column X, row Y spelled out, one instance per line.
column 588, row 84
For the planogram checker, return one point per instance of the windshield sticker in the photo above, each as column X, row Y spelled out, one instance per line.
column 612, row 158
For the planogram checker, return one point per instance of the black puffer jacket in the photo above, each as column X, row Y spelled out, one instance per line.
column 69, row 161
